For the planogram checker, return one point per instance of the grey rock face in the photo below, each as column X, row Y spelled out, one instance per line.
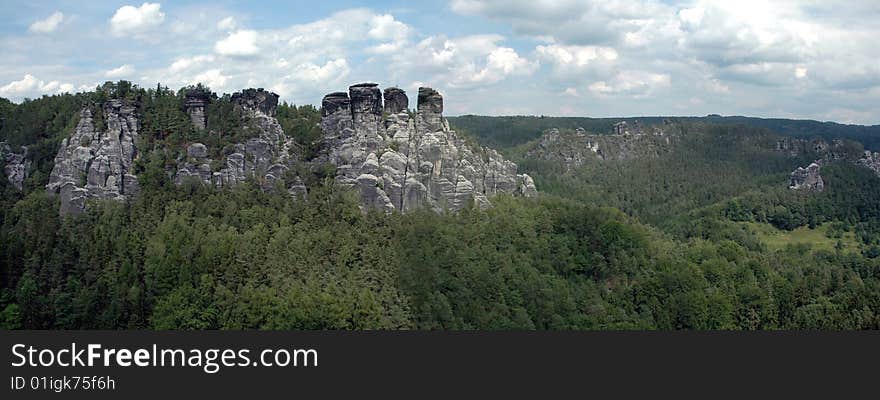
column 870, row 160
column 265, row 158
column 333, row 102
column 807, row 179
column 197, row 151
column 196, row 101
column 403, row 163
column 95, row 164
column 16, row 166
column 256, row 100
column 575, row 148
column 430, row 110
column 396, row 101
column 816, row 146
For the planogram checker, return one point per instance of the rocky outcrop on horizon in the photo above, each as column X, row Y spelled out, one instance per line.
column 836, row 150
column 399, row 161
column 16, row 166
column 807, row 178
column 94, row 163
column 575, row 148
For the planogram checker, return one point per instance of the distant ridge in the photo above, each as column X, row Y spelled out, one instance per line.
column 507, row 131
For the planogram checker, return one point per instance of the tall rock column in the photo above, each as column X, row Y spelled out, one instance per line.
column 395, row 101
column 366, row 111
column 430, row 110
column 195, row 103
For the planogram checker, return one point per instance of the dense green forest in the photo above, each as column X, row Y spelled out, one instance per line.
column 516, row 130
column 653, row 243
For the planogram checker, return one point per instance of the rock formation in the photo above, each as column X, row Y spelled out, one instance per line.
column 402, row 162
column 835, row 150
column 870, row 160
column 196, row 101
column 807, row 179
column 572, row 149
column 257, row 100
column 16, row 166
column 394, row 160
column 396, row 101
column 265, row 157
column 97, row 164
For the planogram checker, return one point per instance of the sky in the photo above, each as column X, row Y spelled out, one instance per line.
column 783, row 58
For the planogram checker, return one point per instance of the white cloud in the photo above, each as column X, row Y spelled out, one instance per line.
column 577, row 56
column 239, row 43
column 182, row 64
column 585, row 22
column 392, row 33
column 385, row 27
column 214, row 78
column 631, row 83
column 308, row 75
column 332, row 70
column 30, row 86
column 227, row 24
column 463, row 62
column 48, row 25
column 130, row 20
column 122, row 71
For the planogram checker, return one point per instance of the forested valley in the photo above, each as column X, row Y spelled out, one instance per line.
column 689, row 239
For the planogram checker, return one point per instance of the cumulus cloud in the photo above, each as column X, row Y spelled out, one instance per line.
column 464, row 62
column 573, row 63
column 122, row 71
column 239, row 43
column 48, row 25
column 587, row 57
column 632, row 83
column 726, row 34
column 576, row 56
column 183, row 64
column 30, row 86
column 575, row 22
column 212, row 77
column 130, row 20
column 392, row 33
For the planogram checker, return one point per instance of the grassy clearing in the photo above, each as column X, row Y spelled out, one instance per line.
column 777, row 239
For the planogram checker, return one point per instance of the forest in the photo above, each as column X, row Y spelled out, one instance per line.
column 656, row 243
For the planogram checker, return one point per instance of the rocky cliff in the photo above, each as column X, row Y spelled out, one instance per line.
column 574, row 148
column 399, row 160
column 265, row 157
column 95, row 163
column 394, row 159
column 807, row 179
column 870, row 160
column 16, row 166
column 837, row 150
column 822, row 149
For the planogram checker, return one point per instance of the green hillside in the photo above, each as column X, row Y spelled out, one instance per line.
column 705, row 235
